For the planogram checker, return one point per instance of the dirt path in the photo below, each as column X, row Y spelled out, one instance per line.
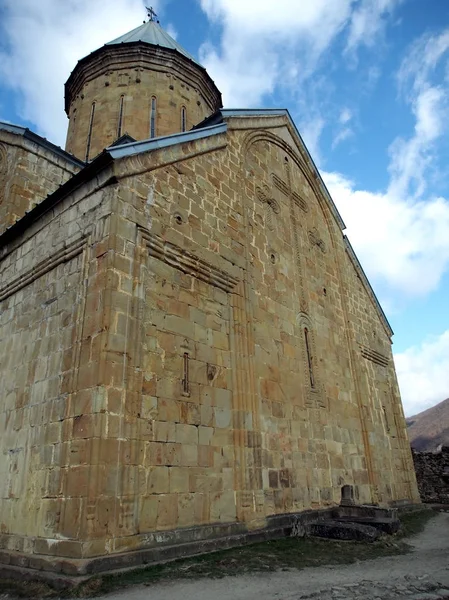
column 422, row 575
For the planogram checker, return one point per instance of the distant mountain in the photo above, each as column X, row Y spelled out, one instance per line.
column 430, row 429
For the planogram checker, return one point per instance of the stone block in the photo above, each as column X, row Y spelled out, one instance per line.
column 179, row 480
column 158, row 480
column 167, row 511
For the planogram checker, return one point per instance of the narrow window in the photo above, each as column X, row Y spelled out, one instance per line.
column 120, row 117
column 309, row 357
column 185, row 380
column 183, row 118
column 387, row 424
column 89, row 134
column 153, row 118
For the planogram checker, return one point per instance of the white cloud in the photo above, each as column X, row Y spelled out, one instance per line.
column 402, row 245
column 310, row 132
column 345, row 116
column 341, row 136
column 261, row 41
column 401, row 234
column 368, row 20
column 172, row 31
column 411, row 159
column 345, row 131
column 423, row 374
column 45, row 39
column 421, row 60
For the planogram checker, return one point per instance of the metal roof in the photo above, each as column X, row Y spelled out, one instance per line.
column 37, row 139
column 165, row 141
column 152, row 33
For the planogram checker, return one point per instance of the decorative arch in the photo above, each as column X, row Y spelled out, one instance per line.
column 300, row 159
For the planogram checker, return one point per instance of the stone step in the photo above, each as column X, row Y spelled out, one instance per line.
column 384, row 519
column 338, row 530
column 389, row 526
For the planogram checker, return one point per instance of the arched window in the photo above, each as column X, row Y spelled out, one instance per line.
column 120, row 117
column 153, row 117
column 89, row 133
column 183, row 118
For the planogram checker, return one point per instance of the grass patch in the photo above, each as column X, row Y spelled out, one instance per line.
column 415, row 522
column 277, row 555
column 28, row 589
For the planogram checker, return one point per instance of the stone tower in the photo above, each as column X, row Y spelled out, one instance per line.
column 143, row 84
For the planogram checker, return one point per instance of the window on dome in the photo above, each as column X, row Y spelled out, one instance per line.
column 120, row 117
column 153, row 117
column 183, row 118
column 89, row 134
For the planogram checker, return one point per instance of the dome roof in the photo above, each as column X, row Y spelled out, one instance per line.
column 152, row 33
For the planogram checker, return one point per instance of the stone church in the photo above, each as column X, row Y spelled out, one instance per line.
column 190, row 350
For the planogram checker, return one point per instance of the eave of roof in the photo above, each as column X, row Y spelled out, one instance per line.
column 102, row 161
column 365, row 280
column 165, row 141
column 43, row 142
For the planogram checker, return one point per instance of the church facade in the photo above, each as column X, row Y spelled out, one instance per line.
column 188, row 342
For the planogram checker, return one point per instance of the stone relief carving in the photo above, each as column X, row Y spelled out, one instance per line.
column 188, row 263
column 315, row 240
column 374, row 356
column 285, row 189
column 272, row 207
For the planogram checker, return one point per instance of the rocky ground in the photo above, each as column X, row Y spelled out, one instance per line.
column 421, row 575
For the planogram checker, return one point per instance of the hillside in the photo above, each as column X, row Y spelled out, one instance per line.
column 430, row 428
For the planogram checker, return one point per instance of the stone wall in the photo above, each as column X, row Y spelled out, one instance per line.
column 28, row 174
column 50, row 412
column 432, row 473
column 201, row 351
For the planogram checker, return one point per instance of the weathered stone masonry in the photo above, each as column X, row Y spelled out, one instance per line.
column 432, row 474
column 187, row 340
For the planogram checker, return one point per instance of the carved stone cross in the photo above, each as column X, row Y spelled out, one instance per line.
column 287, row 191
column 265, row 196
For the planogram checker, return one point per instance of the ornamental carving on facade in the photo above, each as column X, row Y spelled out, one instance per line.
column 315, row 240
column 272, row 207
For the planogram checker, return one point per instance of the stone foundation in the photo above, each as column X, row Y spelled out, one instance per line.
column 180, row 543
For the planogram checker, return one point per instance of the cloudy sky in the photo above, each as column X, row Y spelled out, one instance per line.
column 367, row 82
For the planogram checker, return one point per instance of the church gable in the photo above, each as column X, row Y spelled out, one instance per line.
column 31, row 168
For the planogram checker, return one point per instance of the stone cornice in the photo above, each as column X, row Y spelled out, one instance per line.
column 144, row 56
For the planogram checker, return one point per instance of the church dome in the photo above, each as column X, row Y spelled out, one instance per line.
column 152, row 33
column 143, row 84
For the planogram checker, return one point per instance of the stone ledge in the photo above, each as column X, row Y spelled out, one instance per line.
column 160, row 547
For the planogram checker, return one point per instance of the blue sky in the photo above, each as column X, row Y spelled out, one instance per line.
column 367, row 83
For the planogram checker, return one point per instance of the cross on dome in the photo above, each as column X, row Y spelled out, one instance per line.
column 151, row 13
